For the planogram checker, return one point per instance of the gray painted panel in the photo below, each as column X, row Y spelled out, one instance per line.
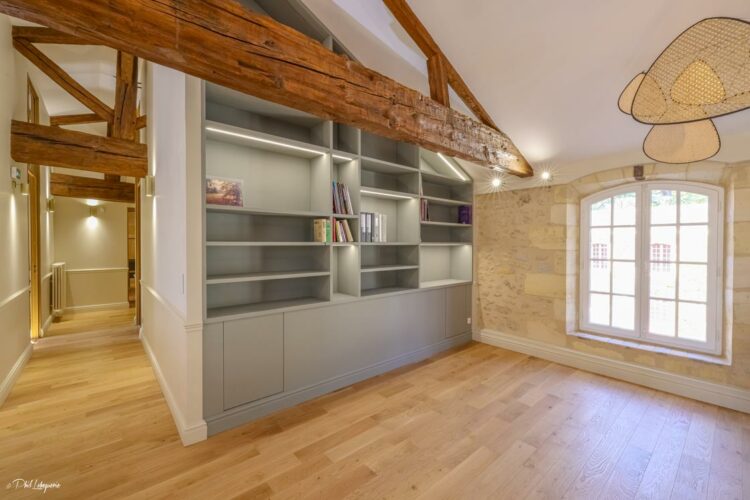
column 321, row 344
column 253, row 359
column 455, row 310
column 213, row 369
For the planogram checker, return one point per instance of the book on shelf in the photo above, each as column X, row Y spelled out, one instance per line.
column 322, row 230
column 373, row 227
column 342, row 201
column 424, row 210
column 464, row 214
column 342, row 233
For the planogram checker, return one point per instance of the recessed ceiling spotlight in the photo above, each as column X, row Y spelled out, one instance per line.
column 546, row 175
column 496, row 182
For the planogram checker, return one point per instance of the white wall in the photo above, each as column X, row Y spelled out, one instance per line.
column 95, row 252
column 171, row 246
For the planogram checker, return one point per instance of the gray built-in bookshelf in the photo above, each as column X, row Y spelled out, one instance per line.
column 288, row 317
column 262, row 257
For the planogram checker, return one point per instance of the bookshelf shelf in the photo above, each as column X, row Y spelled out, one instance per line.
column 443, row 244
column 444, row 179
column 445, row 282
column 266, row 243
column 249, row 310
column 378, row 269
column 252, row 138
column 386, row 193
column 386, row 167
column 444, row 224
column 445, row 201
column 261, row 211
column 278, row 275
column 384, row 290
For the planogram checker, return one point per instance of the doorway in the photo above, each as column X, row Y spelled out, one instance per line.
column 35, row 285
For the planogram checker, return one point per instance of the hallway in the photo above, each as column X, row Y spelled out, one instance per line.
column 90, row 321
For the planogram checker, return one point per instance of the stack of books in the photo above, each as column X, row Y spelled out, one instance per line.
column 342, row 202
column 326, row 232
column 341, row 232
column 373, row 227
column 424, row 210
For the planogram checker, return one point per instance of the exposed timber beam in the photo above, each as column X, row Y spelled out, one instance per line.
column 438, row 79
column 126, row 98
column 57, row 121
column 417, row 31
column 36, row 34
column 73, row 186
column 141, row 122
column 56, row 73
column 58, row 147
column 223, row 42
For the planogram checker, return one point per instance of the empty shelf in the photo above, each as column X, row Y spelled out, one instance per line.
column 381, row 291
column 260, row 307
column 446, row 282
column 265, row 243
column 443, row 179
column 385, row 193
column 445, row 201
column 264, row 211
column 259, row 140
column 444, row 224
column 445, row 244
column 377, row 269
column 385, row 167
column 388, row 243
column 266, row 276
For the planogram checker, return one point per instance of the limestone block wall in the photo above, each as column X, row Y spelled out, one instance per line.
column 527, row 260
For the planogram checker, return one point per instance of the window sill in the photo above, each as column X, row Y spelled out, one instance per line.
column 668, row 351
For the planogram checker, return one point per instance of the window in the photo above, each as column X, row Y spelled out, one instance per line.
column 651, row 257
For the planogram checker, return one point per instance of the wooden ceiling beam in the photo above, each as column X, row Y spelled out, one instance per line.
column 73, row 186
column 38, row 34
column 418, row 32
column 59, row 76
column 59, row 147
column 225, row 43
column 126, row 97
column 141, row 122
column 438, row 79
column 59, row 120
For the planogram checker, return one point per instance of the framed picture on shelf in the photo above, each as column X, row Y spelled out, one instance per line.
column 222, row 191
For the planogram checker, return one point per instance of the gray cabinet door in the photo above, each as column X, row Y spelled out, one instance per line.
column 253, row 359
column 457, row 310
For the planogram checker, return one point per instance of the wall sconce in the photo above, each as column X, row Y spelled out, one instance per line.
column 17, row 180
column 95, row 211
column 149, row 186
column 50, row 205
column 23, row 189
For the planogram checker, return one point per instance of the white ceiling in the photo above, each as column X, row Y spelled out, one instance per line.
column 548, row 72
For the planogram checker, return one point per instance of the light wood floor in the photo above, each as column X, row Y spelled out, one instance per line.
column 478, row 422
column 79, row 322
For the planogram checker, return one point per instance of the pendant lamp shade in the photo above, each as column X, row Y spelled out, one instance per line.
column 682, row 142
column 625, row 103
column 703, row 73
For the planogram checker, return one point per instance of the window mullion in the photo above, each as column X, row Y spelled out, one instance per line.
column 644, row 268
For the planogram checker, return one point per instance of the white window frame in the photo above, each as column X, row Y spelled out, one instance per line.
column 714, row 343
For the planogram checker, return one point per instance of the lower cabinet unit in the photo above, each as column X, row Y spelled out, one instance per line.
column 457, row 310
column 253, row 359
column 255, row 366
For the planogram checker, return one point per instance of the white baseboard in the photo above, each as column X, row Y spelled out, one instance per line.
column 46, row 324
column 97, row 307
column 15, row 372
column 189, row 434
column 731, row 397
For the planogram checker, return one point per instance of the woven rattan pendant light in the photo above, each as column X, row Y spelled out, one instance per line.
column 704, row 73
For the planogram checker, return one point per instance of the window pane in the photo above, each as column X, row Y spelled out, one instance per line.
column 692, row 321
column 663, row 280
column 693, row 207
column 601, row 213
column 599, row 309
column 623, row 277
column 694, row 282
column 599, row 276
column 623, row 312
column 694, row 244
column 663, row 207
column 600, row 244
column 624, row 209
column 623, row 239
column 663, row 244
column 661, row 317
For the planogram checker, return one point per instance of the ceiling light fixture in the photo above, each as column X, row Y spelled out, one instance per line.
column 546, row 175
column 704, row 73
column 496, row 182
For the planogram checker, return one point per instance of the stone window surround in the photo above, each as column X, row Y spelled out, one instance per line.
column 706, row 173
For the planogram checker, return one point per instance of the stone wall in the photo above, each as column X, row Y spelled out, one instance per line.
column 527, row 264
